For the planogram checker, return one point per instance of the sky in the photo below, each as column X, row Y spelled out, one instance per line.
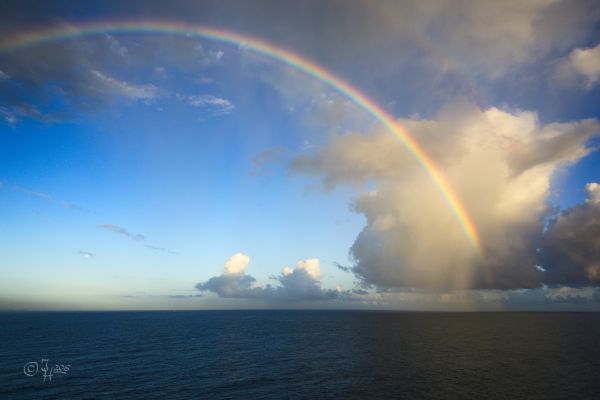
column 402, row 155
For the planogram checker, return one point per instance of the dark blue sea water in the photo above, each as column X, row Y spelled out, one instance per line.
column 300, row 354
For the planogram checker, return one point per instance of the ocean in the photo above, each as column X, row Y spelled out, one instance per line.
column 299, row 355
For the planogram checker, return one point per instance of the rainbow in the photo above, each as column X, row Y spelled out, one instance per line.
column 277, row 53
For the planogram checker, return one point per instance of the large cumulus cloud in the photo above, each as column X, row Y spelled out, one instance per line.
column 500, row 163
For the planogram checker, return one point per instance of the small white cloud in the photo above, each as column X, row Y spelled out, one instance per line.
column 586, row 62
column 86, row 254
column 237, row 264
column 3, row 75
column 593, row 190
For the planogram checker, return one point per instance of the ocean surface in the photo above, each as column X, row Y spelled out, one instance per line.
column 299, row 354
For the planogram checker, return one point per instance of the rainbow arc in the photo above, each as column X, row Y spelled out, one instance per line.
column 277, row 53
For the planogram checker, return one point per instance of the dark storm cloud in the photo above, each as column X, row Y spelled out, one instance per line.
column 570, row 251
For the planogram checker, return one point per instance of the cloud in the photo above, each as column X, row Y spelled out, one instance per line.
column 295, row 284
column 593, row 190
column 501, row 165
column 570, row 251
column 9, row 117
column 112, row 85
column 303, row 282
column 581, row 67
column 86, row 254
column 122, row 231
column 119, row 230
column 39, row 195
column 428, row 52
column 184, row 296
column 262, row 160
column 342, row 267
column 215, row 105
column 566, row 293
column 62, row 79
column 237, row 264
column 47, row 198
column 586, row 62
column 482, row 39
column 552, row 298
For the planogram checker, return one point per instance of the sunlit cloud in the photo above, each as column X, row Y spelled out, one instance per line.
column 586, row 62
column 295, row 284
column 501, row 163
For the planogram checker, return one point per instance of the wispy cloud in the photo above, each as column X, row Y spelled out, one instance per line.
column 122, row 231
column 85, row 254
column 261, row 161
column 47, row 198
column 136, row 92
column 184, row 296
column 212, row 104
column 39, row 195
column 157, row 248
column 138, row 237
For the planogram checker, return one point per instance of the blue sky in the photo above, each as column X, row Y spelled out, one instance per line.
column 134, row 167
